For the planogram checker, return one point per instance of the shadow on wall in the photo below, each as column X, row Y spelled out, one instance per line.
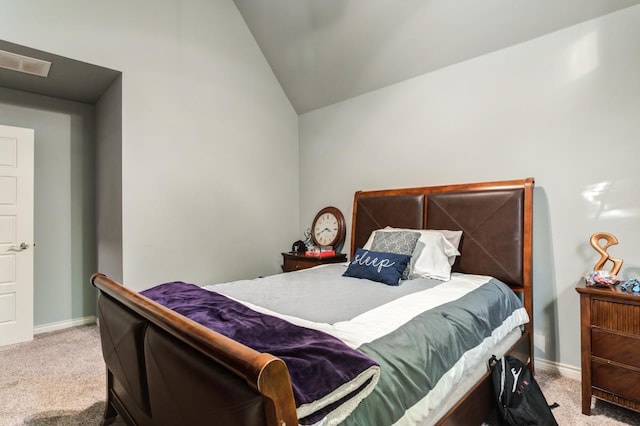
column 545, row 288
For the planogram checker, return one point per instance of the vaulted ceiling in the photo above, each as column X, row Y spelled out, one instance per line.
column 325, row 51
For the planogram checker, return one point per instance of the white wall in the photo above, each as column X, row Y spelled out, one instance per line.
column 563, row 109
column 64, row 215
column 209, row 140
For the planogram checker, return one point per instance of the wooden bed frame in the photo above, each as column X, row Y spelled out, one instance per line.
column 163, row 368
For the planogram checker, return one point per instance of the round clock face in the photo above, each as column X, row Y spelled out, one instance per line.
column 328, row 228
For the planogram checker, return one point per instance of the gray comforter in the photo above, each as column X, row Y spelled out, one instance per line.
column 414, row 357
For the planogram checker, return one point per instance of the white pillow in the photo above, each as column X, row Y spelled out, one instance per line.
column 434, row 253
column 453, row 237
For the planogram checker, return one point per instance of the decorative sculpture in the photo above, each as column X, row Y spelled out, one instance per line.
column 307, row 237
column 604, row 256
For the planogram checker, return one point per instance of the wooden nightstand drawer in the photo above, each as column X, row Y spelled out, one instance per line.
column 295, row 265
column 296, row 262
column 616, row 380
column 617, row 347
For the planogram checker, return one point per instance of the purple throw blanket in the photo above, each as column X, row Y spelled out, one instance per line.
column 325, row 373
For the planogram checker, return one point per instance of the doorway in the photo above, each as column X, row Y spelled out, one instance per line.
column 16, row 234
column 76, row 113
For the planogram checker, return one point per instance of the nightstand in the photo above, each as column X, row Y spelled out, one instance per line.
column 610, row 346
column 296, row 262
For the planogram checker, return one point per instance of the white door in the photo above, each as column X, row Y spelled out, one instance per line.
column 16, row 234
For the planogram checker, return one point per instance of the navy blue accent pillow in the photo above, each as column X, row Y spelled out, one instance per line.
column 377, row 266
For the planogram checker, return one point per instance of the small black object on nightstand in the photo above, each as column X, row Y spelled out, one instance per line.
column 298, row 247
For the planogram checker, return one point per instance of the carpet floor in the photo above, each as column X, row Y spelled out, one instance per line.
column 59, row 379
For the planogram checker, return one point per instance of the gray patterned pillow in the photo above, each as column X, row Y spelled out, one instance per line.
column 401, row 242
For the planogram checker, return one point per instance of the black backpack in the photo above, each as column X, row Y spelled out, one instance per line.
column 519, row 398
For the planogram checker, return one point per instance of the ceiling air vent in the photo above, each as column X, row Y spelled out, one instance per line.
column 15, row 62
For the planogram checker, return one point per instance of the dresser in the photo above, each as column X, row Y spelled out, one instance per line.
column 610, row 346
column 296, row 262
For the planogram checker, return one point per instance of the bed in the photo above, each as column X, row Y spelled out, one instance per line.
column 164, row 367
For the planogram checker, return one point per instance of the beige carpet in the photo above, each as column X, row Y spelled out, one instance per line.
column 59, row 379
column 567, row 393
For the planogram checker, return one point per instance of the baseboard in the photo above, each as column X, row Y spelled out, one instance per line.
column 61, row 325
column 564, row 370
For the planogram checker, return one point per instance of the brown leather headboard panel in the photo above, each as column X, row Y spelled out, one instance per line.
column 375, row 212
column 495, row 218
column 492, row 230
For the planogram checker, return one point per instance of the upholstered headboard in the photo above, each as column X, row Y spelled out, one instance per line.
column 495, row 218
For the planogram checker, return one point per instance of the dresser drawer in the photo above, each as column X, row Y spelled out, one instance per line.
column 618, row 316
column 618, row 347
column 609, row 346
column 616, row 380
